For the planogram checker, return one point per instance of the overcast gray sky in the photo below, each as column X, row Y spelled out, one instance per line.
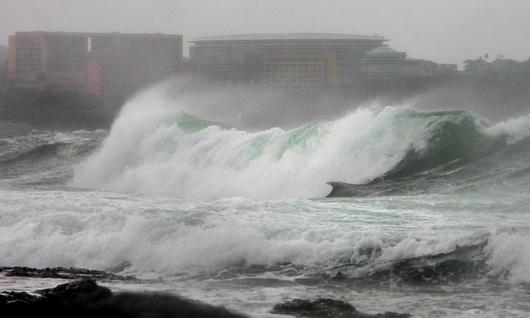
column 442, row 30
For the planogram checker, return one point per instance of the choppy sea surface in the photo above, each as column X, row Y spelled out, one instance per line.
column 435, row 222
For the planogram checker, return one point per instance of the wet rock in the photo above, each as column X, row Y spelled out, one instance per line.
column 78, row 291
column 15, row 299
column 61, row 272
column 84, row 299
column 326, row 308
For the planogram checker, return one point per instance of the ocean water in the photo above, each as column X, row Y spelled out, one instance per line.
column 429, row 214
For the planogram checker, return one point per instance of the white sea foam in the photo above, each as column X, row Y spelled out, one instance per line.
column 166, row 236
column 155, row 148
column 510, row 255
column 515, row 128
column 148, row 151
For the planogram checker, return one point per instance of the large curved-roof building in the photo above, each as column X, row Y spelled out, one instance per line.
column 384, row 63
column 286, row 60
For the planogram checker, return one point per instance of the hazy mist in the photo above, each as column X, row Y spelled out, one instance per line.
column 445, row 31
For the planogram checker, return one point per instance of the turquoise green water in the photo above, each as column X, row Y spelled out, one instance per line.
column 437, row 225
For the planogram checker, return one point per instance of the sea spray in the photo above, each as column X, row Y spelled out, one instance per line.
column 155, row 148
column 151, row 150
column 148, row 236
column 451, row 236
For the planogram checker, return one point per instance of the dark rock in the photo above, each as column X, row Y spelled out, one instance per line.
column 157, row 305
column 15, row 298
column 80, row 291
column 84, row 299
column 326, row 308
column 62, row 273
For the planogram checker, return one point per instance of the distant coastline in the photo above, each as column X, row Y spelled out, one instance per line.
column 24, row 109
column 487, row 92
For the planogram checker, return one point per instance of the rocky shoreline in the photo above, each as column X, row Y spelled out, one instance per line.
column 61, row 273
column 82, row 297
column 85, row 298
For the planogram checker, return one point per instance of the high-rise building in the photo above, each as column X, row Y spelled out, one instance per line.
column 121, row 64
column 111, row 65
column 47, row 59
column 298, row 60
column 4, row 52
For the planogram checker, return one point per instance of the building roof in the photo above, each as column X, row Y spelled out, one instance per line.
column 384, row 50
column 84, row 34
column 289, row 36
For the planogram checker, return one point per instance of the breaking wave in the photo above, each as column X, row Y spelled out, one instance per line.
column 163, row 151
column 154, row 148
column 45, row 157
column 223, row 237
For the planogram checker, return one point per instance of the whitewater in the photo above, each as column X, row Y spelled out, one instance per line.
column 388, row 208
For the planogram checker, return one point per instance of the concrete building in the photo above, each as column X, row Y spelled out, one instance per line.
column 121, row 64
column 47, row 60
column 298, row 60
column 4, row 52
column 111, row 65
column 383, row 63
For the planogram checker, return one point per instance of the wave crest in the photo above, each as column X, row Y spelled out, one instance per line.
column 160, row 150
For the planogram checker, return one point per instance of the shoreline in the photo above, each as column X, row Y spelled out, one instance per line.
column 81, row 296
